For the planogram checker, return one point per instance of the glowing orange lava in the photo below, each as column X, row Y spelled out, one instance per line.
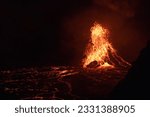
column 100, row 50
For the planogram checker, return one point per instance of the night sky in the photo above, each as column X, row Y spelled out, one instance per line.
column 56, row 32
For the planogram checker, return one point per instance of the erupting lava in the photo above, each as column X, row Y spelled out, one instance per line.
column 99, row 52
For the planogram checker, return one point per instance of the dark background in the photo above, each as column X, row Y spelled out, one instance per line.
column 56, row 32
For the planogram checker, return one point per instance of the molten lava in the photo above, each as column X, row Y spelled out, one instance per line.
column 100, row 52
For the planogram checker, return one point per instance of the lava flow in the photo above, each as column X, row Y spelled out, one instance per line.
column 100, row 52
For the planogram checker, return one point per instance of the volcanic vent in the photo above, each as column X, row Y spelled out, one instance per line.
column 104, row 69
column 100, row 52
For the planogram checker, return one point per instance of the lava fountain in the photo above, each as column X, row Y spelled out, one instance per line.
column 100, row 52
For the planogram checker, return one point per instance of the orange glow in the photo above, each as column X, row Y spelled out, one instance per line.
column 99, row 49
column 106, row 65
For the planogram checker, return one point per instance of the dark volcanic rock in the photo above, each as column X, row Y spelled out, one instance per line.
column 136, row 84
column 93, row 64
column 59, row 82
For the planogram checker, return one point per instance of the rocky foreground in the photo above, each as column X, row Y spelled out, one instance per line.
column 59, row 82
